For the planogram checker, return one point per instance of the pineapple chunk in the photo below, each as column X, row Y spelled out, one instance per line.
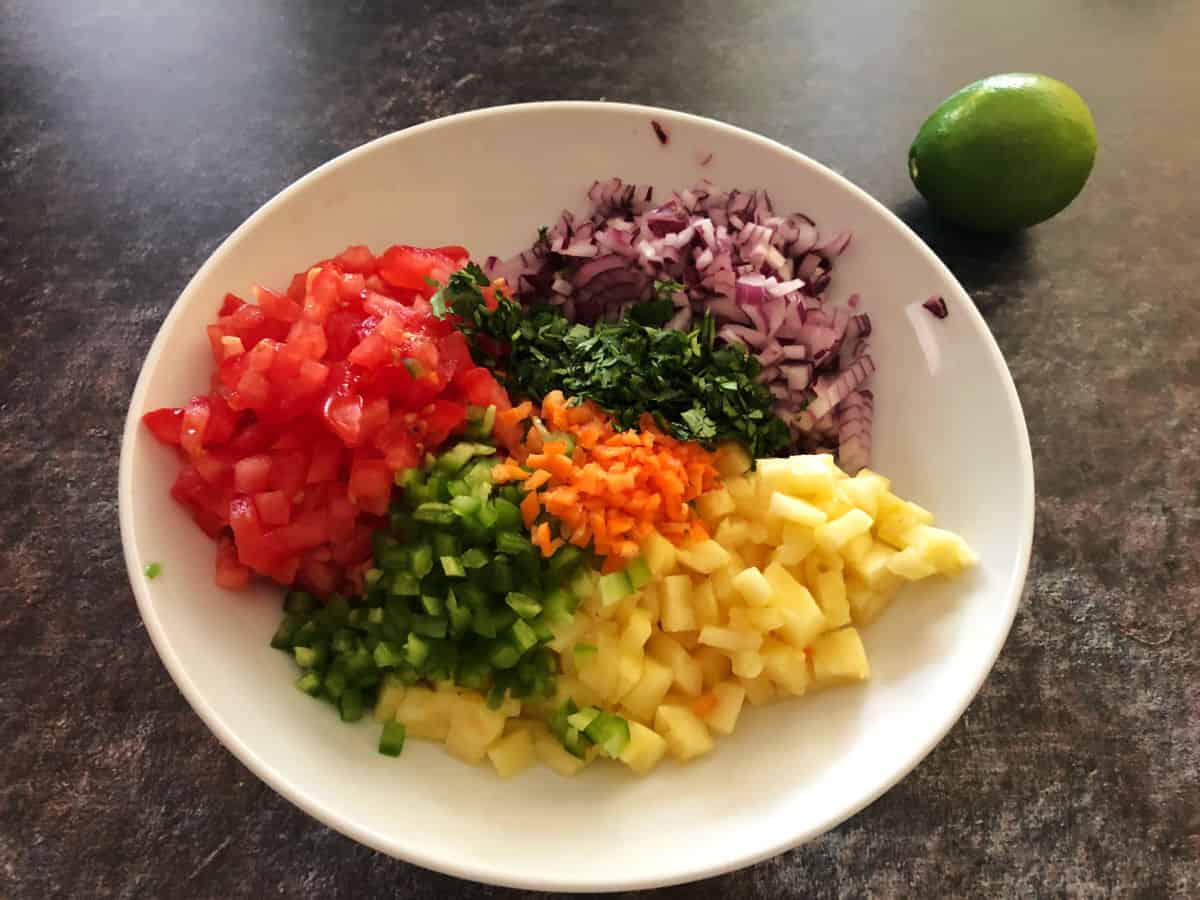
column 730, row 696
column 473, row 727
column 555, row 756
column 857, row 548
column 808, row 475
column 513, row 753
column 704, row 603
column 644, row 750
column 629, row 673
column 747, row 664
column 659, row 553
column 713, row 664
column 865, row 604
column 944, row 549
column 685, row 670
column 834, row 535
column 715, row 505
column 759, row 691
column 864, row 490
column 722, row 585
column 643, row 699
column 732, row 533
column 732, row 460
column 793, row 509
column 568, row 687
column 425, row 713
column 705, row 557
column 637, row 631
column 677, row 612
column 786, row 666
column 686, row 734
column 786, row 591
column 730, row 639
column 830, row 590
column 651, row 603
column 912, row 563
column 897, row 518
column 873, row 569
column 839, row 658
column 753, row 586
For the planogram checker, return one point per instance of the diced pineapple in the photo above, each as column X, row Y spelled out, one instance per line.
column 873, row 569
column 629, row 673
column 753, row 586
column 732, row 533
column 897, row 517
column 756, row 554
column 554, row 755
column 512, row 753
column 766, row 619
column 786, row 666
column 705, row 557
column 793, row 509
column 834, row 506
column 599, row 670
column 857, row 548
column 722, row 585
column 686, row 734
column 715, row 505
column 659, row 553
column 747, row 663
column 644, row 697
column 835, row 534
column 864, row 490
column 838, row 658
column 732, row 460
column 651, row 603
column 473, row 727
column 788, row 555
column 944, row 549
column 704, row 603
column 759, row 534
column 807, row 475
column 685, row 670
column 644, row 750
column 830, row 593
column 866, row 605
column 800, row 627
column 637, row 630
column 713, row 664
column 748, row 495
column 760, row 690
column 425, row 713
column 786, row 591
column 390, row 696
column 677, row 612
column 567, row 687
column 688, row 640
column 730, row 696
column 730, row 640
column 912, row 563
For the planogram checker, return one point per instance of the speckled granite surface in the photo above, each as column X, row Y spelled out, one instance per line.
column 133, row 139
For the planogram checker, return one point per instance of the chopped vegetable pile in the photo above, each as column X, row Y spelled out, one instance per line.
column 529, row 527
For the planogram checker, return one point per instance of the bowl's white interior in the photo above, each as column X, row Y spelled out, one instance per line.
column 948, row 431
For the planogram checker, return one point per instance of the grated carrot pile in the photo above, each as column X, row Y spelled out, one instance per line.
column 612, row 490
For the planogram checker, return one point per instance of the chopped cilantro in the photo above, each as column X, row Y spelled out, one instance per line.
column 696, row 392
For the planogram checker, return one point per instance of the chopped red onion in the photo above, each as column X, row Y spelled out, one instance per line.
column 937, row 306
column 760, row 273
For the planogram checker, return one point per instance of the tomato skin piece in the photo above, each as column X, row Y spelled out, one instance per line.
column 274, row 507
column 165, row 424
column 280, row 307
column 231, row 304
column 357, row 259
column 370, row 485
column 407, row 267
column 230, row 573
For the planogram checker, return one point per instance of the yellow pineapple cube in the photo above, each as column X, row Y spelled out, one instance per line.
column 390, row 696
column 685, row 670
column 839, row 658
column 714, row 665
column 730, row 640
column 704, row 604
column 659, row 553
column 554, row 755
column 897, row 518
column 732, row 533
column 747, row 663
column 644, row 697
column 715, row 505
column 793, row 509
column 730, row 696
column 912, row 563
column 753, row 586
column 425, row 713
column 686, row 734
column 473, row 727
column 786, row 666
column 866, row 605
column 705, row 557
column 677, row 612
column 830, row 592
column 637, row 630
column 644, row 750
column 512, row 753
column 835, row 534
column 760, row 690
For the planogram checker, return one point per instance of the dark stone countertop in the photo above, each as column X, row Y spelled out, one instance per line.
column 134, row 138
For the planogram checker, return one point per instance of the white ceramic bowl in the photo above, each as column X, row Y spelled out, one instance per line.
column 948, row 431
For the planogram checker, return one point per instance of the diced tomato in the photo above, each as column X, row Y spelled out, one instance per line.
column 252, row 474
column 274, row 507
column 409, row 267
column 276, row 306
column 319, row 396
column 165, row 424
column 457, row 255
column 231, row 574
column 357, row 259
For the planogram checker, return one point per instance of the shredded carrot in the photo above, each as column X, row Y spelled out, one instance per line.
column 612, row 489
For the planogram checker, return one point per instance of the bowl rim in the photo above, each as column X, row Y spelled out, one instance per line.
column 464, row 867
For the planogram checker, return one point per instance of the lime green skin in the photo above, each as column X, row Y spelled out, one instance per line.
column 1005, row 152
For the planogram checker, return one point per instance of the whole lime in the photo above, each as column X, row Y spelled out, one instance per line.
column 1004, row 153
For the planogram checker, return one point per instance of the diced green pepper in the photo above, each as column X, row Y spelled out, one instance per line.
column 614, row 587
column 522, row 604
column 434, row 513
column 391, row 740
column 453, row 567
column 310, row 683
column 639, row 574
column 350, row 705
